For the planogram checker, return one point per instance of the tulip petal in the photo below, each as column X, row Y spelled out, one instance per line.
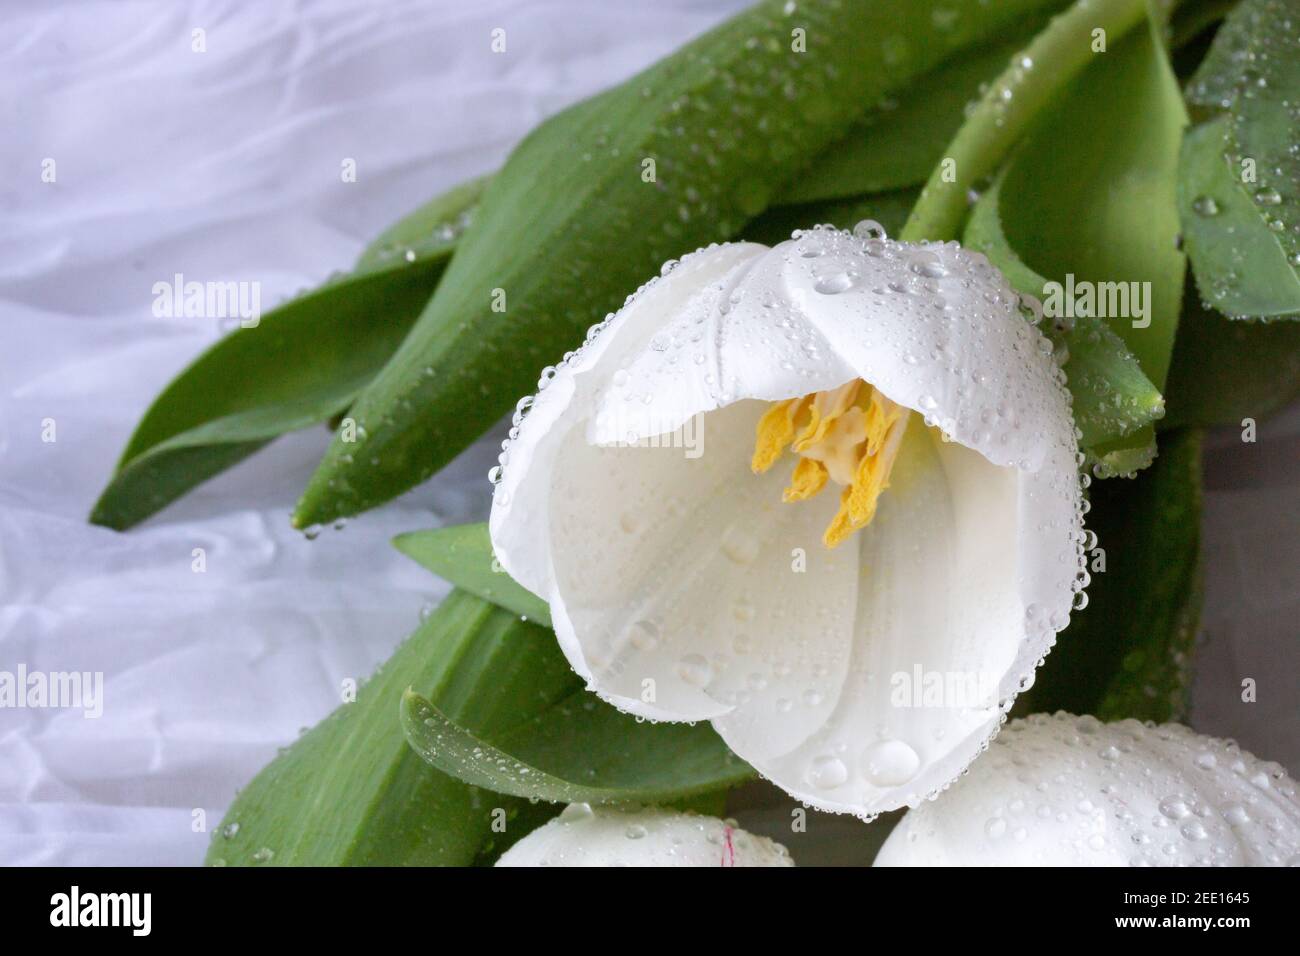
column 938, row 625
column 1071, row 791
column 687, row 587
column 632, row 836
column 520, row 504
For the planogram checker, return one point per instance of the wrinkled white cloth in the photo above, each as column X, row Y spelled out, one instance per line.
column 225, row 165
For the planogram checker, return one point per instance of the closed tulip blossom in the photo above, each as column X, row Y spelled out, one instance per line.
column 824, row 495
column 1072, row 791
column 633, row 836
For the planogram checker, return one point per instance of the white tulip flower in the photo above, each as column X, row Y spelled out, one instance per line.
column 666, row 492
column 1072, row 791
column 632, row 836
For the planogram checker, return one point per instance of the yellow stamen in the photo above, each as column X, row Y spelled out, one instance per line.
column 809, row 478
column 850, row 435
column 775, row 431
column 826, row 408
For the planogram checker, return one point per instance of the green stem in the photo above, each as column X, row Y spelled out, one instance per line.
column 1032, row 81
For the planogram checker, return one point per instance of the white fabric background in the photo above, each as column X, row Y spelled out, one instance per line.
column 224, row 165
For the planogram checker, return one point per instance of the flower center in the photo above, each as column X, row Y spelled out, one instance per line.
column 849, row 435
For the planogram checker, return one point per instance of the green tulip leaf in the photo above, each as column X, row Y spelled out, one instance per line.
column 597, row 198
column 1091, row 194
column 1240, row 177
column 430, row 228
column 1091, row 230
column 462, row 555
column 301, row 364
column 580, row 750
column 1112, row 397
column 1213, row 87
column 1240, row 263
column 897, row 146
column 351, row 792
column 1265, row 115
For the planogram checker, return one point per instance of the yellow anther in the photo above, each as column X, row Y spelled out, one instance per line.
column 849, row 435
column 809, row 478
column 775, row 431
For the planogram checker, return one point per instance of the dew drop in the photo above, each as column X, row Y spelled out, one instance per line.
column 889, row 763
column 834, row 284
column 827, row 772
column 869, row 229
column 695, row 670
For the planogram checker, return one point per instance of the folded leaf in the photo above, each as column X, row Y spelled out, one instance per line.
column 303, row 363
column 1240, row 263
column 581, row 750
column 1128, row 653
column 598, row 197
column 1225, row 371
column 898, row 145
column 1240, row 184
column 1264, row 113
column 462, row 555
column 1124, row 457
column 1036, row 80
column 351, row 792
column 1092, row 194
column 434, row 226
column 1112, row 398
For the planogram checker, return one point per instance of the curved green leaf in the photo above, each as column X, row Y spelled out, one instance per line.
column 899, row 145
column 350, row 792
column 1266, row 112
column 580, row 750
column 435, row 225
column 1036, row 81
column 1092, row 192
column 1112, row 397
column 303, row 363
column 1240, row 263
column 462, row 555
column 1240, row 186
column 1088, row 202
column 595, row 199
column 1214, row 85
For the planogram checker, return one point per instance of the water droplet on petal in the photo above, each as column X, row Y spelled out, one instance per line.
column 889, row 763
